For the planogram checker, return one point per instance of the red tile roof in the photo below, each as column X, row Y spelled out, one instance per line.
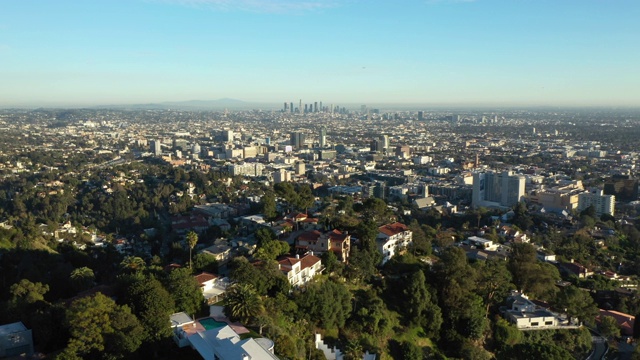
column 287, row 263
column 625, row 321
column 336, row 235
column 308, row 261
column 393, row 229
column 204, row 277
column 310, row 235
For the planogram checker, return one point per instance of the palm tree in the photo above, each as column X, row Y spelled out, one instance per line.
column 242, row 302
column 192, row 240
column 82, row 278
column 133, row 264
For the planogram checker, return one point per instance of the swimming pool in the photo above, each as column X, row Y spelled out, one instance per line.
column 209, row 323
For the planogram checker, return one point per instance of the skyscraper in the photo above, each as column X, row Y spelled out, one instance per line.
column 285, row 107
column 291, row 106
column 420, row 115
column 156, row 148
column 297, row 139
column 323, row 137
column 315, row 107
column 227, row 135
column 384, row 139
column 300, row 106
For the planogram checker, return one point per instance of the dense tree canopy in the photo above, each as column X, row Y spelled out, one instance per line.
column 102, row 329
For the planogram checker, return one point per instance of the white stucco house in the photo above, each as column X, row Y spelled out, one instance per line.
column 300, row 271
column 393, row 238
column 212, row 286
column 525, row 314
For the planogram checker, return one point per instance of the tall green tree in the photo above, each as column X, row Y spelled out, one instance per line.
column 192, row 241
column 100, row 328
column 242, row 302
column 418, row 306
column 82, row 278
column 529, row 275
column 577, row 303
column 268, row 205
column 133, row 264
column 506, row 335
column 421, row 244
column 205, row 262
column 494, row 282
column 153, row 305
column 376, row 210
column 609, row 327
column 25, row 292
column 327, row 303
column 185, row 291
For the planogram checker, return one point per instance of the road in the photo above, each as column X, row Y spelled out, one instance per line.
column 599, row 347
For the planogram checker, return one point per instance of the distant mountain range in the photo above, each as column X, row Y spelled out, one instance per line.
column 219, row 104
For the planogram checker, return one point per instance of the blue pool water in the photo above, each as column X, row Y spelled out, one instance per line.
column 209, row 323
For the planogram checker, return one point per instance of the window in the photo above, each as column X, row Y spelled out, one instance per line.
column 534, row 324
column 548, row 322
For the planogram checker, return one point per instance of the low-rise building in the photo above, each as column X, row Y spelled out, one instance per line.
column 317, row 242
column 392, row 239
column 223, row 343
column 300, row 271
column 527, row 315
column 212, row 286
column 15, row 340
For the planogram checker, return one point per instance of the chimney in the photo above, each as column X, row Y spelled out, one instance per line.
column 298, row 256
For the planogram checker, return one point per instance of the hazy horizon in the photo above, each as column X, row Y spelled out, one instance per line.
column 462, row 53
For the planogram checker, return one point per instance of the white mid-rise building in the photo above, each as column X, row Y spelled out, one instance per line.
column 492, row 189
column 603, row 204
column 246, row 169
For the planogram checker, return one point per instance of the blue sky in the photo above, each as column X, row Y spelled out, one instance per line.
column 482, row 52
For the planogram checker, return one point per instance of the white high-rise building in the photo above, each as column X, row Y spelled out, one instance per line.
column 228, row 135
column 492, row 189
column 323, row 137
column 384, row 139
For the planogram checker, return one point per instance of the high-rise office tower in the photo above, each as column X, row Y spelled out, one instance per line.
column 196, row 149
column 315, row 107
column 323, row 137
column 420, row 115
column 297, row 139
column 300, row 106
column 291, row 106
column 156, row 148
column 321, row 108
column 306, row 108
column 227, row 135
column 384, row 139
column 285, row 107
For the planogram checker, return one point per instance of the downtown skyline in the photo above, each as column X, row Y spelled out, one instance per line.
column 438, row 52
